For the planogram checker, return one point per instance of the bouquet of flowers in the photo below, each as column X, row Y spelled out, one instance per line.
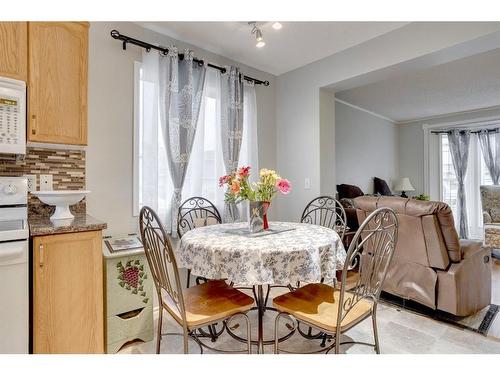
column 240, row 188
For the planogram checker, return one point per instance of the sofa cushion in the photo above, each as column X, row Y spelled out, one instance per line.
column 380, row 187
column 349, row 191
column 495, row 215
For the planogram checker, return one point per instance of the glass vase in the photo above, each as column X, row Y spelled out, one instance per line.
column 257, row 216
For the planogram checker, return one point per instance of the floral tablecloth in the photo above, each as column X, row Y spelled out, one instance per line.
column 307, row 253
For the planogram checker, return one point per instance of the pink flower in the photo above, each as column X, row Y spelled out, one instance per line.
column 244, row 172
column 224, row 180
column 283, row 185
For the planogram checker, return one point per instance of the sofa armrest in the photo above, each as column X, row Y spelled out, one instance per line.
column 347, row 202
column 470, row 247
column 465, row 287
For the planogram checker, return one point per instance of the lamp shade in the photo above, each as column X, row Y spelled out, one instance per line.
column 404, row 184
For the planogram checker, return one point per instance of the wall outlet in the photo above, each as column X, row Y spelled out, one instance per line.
column 46, row 182
column 31, row 178
column 307, row 183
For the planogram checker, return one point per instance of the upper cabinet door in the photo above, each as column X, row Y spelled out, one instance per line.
column 57, row 87
column 14, row 50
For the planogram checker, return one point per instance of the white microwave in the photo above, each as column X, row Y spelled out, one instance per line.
column 12, row 116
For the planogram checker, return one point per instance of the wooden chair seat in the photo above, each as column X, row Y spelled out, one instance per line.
column 210, row 302
column 317, row 304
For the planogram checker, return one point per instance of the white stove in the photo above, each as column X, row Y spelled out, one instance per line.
column 14, row 291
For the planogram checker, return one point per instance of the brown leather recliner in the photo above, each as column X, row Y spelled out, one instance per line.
column 430, row 264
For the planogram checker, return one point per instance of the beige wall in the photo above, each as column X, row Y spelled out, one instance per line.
column 109, row 154
column 366, row 146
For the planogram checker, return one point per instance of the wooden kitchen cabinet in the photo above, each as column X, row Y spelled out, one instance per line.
column 68, row 315
column 14, row 50
column 57, row 82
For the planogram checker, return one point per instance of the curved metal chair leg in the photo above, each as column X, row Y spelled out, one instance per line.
column 337, row 342
column 276, row 336
column 375, row 332
column 249, row 333
column 267, row 296
column 158, row 338
column 186, row 345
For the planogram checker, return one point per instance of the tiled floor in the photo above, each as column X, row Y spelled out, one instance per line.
column 399, row 332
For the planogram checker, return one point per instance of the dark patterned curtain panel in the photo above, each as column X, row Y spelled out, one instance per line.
column 490, row 148
column 459, row 149
column 180, row 91
column 231, row 128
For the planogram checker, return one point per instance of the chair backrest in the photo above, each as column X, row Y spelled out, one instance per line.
column 427, row 233
column 195, row 212
column 161, row 260
column 490, row 200
column 376, row 237
column 327, row 212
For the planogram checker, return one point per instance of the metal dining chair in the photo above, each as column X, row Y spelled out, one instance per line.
column 327, row 212
column 335, row 311
column 196, row 212
column 199, row 306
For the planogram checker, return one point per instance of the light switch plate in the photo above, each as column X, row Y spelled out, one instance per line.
column 307, row 183
column 46, row 182
column 31, row 178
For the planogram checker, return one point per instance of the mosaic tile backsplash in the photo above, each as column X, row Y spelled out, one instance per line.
column 67, row 168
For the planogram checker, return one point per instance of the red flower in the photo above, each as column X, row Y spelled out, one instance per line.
column 244, row 172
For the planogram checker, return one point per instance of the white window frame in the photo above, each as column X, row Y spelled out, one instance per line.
column 433, row 155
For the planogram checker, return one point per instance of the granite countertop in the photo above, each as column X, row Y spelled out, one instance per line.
column 42, row 225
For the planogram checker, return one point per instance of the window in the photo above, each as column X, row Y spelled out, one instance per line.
column 152, row 183
column 477, row 174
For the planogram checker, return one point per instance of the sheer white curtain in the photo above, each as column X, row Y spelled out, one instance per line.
column 206, row 162
column 249, row 153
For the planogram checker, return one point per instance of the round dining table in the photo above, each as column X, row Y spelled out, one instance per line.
column 285, row 254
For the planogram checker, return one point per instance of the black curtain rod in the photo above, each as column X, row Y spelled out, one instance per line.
column 148, row 47
column 463, row 131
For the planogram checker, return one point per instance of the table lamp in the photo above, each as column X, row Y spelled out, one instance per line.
column 403, row 185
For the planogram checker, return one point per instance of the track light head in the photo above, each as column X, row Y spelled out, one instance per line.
column 258, row 34
column 277, row 26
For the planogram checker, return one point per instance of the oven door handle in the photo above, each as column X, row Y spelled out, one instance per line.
column 11, row 252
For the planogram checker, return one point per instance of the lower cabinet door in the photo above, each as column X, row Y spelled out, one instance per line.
column 68, row 293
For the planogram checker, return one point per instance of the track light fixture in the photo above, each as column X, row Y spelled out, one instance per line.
column 258, row 34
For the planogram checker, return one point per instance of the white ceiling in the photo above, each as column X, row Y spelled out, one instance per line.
column 462, row 85
column 295, row 45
